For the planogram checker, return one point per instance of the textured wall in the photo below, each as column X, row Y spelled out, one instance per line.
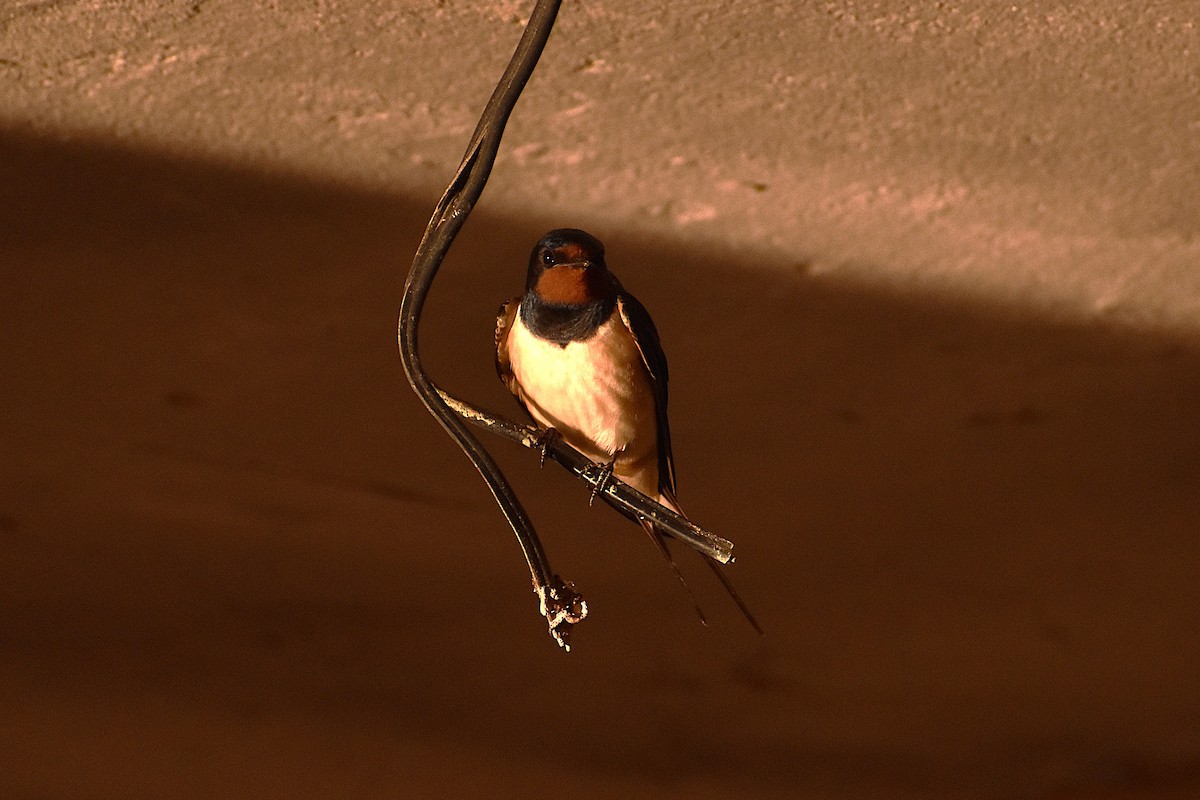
column 1038, row 154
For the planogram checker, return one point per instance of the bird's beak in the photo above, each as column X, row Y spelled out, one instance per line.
column 578, row 264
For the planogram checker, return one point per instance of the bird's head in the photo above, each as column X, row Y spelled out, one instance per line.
column 567, row 268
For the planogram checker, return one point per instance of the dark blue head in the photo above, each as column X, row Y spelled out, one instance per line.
column 569, row 292
column 567, row 266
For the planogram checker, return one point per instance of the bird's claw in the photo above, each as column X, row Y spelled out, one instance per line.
column 602, row 480
column 543, row 442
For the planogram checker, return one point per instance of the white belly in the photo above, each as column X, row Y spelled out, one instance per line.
column 596, row 393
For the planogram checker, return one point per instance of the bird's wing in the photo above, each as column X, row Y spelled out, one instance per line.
column 639, row 323
column 504, row 322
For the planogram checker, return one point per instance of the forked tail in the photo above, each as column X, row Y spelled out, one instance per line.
column 668, row 500
column 661, row 543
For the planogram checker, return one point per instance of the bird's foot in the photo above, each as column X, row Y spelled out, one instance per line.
column 603, row 478
column 543, row 442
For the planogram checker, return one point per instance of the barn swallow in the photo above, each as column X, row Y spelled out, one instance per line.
column 582, row 357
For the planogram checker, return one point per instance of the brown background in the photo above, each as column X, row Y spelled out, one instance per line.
column 237, row 559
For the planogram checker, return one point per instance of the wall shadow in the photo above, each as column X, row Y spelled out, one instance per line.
column 237, row 558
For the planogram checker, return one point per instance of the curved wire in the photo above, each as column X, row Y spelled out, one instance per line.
column 558, row 601
column 448, row 218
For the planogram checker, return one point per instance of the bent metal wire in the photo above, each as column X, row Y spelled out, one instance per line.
column 558, row 601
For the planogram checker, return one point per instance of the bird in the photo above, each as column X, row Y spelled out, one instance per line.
column 582, row 357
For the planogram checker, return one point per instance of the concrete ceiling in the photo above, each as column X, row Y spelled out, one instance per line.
column 1037, row 155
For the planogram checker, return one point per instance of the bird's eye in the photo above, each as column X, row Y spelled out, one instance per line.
column 548, row 257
